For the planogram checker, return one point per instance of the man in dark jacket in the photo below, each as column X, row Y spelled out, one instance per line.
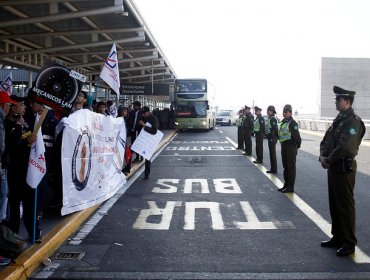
column 337, row 154
column 271, row 132
column 290, row 140
column 259, row 132
column 150, row 124
column 248, row 130
column 134, row 117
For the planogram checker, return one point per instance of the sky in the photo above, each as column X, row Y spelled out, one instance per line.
column 258, row 52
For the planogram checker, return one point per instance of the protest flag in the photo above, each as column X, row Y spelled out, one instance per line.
column 7, row 84
column 110, row 71
column 36, row 164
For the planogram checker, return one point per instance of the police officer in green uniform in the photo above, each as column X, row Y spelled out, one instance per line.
column 337, row 154
column 271, row 132
column 290, row 141
column 239, row 123
column 248, row 123
column 259, row 132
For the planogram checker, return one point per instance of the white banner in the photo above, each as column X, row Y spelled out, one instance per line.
column 7, row 84
column 36, row 164
column 110, row 71
column 146, row 143
column 93, row 150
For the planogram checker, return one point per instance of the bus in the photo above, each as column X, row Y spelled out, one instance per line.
column 194, row 104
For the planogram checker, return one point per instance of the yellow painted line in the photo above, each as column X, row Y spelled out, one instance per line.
column 34, row 256
column 359, row 256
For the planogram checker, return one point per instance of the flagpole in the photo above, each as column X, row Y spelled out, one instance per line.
column 34, row 218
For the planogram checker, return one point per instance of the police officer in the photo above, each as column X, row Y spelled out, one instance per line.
column 239, row 123
column 259, row 132
column 337, row 154
column 247, row 127
column 290, row 140
column 271, row 132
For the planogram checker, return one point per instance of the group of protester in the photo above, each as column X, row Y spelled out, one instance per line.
column 18, row 117
column 338, row 150
column 287, row 133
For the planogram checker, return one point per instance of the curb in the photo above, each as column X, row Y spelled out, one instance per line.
column 34, row 256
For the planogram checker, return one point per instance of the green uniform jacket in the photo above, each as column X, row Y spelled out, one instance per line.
column 343, row 137
column 259, row 124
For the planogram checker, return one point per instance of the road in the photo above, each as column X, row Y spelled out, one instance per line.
column 208, row 212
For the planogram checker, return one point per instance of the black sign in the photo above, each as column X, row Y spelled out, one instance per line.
column 56, row 88
column 145, row 89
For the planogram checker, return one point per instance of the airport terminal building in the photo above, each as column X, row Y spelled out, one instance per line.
column 351, row 74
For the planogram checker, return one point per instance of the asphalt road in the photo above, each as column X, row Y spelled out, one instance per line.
column 208, row 212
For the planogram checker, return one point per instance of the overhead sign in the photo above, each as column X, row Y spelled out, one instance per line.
column 145, row 89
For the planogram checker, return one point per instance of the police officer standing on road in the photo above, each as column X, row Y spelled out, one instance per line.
column 239, row 123
column 247, row 130
column 337, row 154
column 259, row 132
column 290, row 140
column 271, row 132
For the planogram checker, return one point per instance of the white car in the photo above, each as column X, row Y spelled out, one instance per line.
column 226, row 117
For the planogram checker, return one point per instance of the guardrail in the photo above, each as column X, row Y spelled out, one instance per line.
column 322, row 124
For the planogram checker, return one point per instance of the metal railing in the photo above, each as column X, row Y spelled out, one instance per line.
column 322, row 124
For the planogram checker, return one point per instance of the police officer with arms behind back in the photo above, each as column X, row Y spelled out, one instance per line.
column 259, row 132
column 271, row 131
column 290, row 140
column 337, row 154
column 248, row 130
column 238, row 123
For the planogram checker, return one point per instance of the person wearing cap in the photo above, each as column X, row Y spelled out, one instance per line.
column 272, row 135
column 150, row 124
column 338, row 150
column 5, row 103
column 290, row 141
column 259, row 132
column 247, row 127
column 239, row 123
column 18, row 141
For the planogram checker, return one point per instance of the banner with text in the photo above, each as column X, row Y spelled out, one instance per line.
column 93, row 150
column 145, row 89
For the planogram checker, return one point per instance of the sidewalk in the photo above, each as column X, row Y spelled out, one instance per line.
column 56, row 229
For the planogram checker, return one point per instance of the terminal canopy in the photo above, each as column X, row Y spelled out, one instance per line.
column 79, row 34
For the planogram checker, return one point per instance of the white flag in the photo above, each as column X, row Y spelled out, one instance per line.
column 36, row 164
column 110, row 71
column 7, row 84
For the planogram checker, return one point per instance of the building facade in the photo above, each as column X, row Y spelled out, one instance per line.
column 348, row 73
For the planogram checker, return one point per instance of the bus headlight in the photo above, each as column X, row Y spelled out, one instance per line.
column 176, row 123
column 204, row 122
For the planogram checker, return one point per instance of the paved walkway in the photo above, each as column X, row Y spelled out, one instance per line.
column 55, row 229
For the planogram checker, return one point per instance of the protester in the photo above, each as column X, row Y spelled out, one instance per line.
column 150, row 124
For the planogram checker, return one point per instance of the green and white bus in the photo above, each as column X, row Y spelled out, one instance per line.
column 194, row 104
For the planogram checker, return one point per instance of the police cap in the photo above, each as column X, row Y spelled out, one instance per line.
column 247, row 107
column 271, row 108
column 340, row 92
column 288, row 108
column 256, row 108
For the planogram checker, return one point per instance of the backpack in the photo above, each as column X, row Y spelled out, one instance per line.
column 11, row 245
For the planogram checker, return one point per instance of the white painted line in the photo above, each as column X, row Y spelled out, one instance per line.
column 200, row 155
column 221, row 131
column 107, row 205
column 359, row 256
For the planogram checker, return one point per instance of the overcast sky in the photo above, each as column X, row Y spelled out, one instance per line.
column 266, row 51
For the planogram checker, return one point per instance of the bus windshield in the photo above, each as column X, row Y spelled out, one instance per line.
column 195, row 109
column 190, row 86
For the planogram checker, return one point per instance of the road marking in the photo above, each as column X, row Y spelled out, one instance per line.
column 221, row 131
column 214, row 209
column 209, row 275
column 359, row 256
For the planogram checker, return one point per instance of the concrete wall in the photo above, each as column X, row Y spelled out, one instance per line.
column 348, row 73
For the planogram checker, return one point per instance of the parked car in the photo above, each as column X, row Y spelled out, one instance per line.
column 226, row 117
